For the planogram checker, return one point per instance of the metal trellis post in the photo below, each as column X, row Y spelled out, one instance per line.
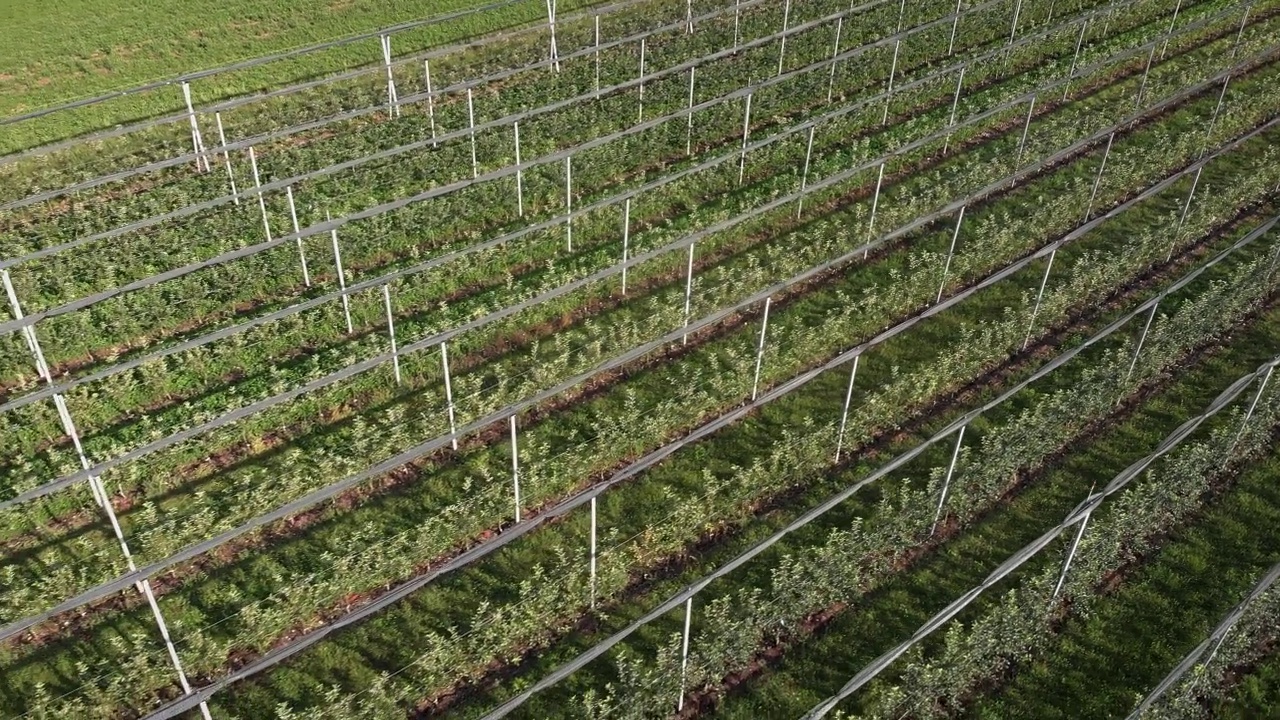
column 515, row 127
column 688, row 138
column 764, row 328
column 226, row 159
column 946, row 267
column 955, row 102
column 1071, row 555
column 688, row 296
column 257, row 184
column 804, row 175
column 1097, row 181
column 955, row 454
column 684, row 652
column 893, row 70
column 626, row 240
column 197, row 142
column 393, row 101
column 1066, row 86
column 342, row 278
column 391, row 331
column 1031, row 326
column 844, row 415
column 431, row 101
column 746, row 129
column 782, row 40
column 302, row 251
column 1141, row 341
column 515, row 467
column 875, row 205
column 471, row 119
column 568, row 201
column 448, row 394
column 835, row 53
column 1244, row 424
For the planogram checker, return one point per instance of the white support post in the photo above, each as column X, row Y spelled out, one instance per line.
column 782, row 41
column 684, row 652
column 96, row 487
column 197, row 143
column 1133, row 364
column 342, row 278
column 626, row 240
column 1244, row 424
column 764, row 328
column 226, row 159
column 1049, row 21
column 737, row 24
column 568, row 201
column 448, row 394
column 1022, row 144
column 688, row 16
column 642, row 51
column 746, row 129
column 1182, row 219
column 597, row 57
column 471, row 118
column 804, row 175
column 893, row 70
column 515, row 467
column 955, row 102
column 1240, row 34
column 391, row 331
column 835, row 53
column 1031, row 326
column 848, row 397
column 1066, row 86
column 551, row 25
column 688, row 136
column 688, row 296
column 1013, row 29
column 955, row 25
column 257, row 184
column 1097, row 181
column 902, row 14
column 946, row 484
column 875, row 205
column 593, row 553
column 946, row 267
column 431, row 101
column 302, row 251
column 1071, row 554
column 1168, row 34
column 1142, row 88
column 515, row 127
column 393, row 100
column 1213, row 121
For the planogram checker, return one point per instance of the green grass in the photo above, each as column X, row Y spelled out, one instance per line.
column 63, row 50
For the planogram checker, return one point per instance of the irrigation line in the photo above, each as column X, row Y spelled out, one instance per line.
column 546, row 224
column 687, row 241
column 429, row 446
column 1079, row 514
column 506, row 171
column 356, row 113
column 1193, row 658
column 692, row 589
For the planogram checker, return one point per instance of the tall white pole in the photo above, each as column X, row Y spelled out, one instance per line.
column 197, row 143
column 955, row 102
column 471, row 118
column 946, row 268
column 835, row 53
column 393, row 101
column 1071, row 554
column 875, row 205
column 1182, row 219
column 642, row 50
column 342, row 278
column 955, row 25
column 764, row 328
column 1026, row 127
column 568, row 201
column 684, row 652
column 626, row 239
column 431, row 101
column 551, row 25
column 946, row 484
column 519, row 171
column 1013, row 29
column 1244, row 424
column 1143, row 87
column 1243, row 21
column 746, row 128
column 1172, row 22
column 688, row 16
column 897, row 44
column 515, row 467
column 688, row 296
column 448, row 394
column 1097, row 181
column 226, row 159
column 302, row 251
column 597, row 57
column 1133, row 364
column 688, row 138
column 1066, row 86
column 593, row 552
column 391, row 331
column 737, row 23
column 1213, row 121
column 804, row 175
column 844, row 416
column 257, row 184
column 782, row 44
column 1039, row 297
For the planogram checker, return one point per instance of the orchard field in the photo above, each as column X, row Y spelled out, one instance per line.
column 657, row 358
